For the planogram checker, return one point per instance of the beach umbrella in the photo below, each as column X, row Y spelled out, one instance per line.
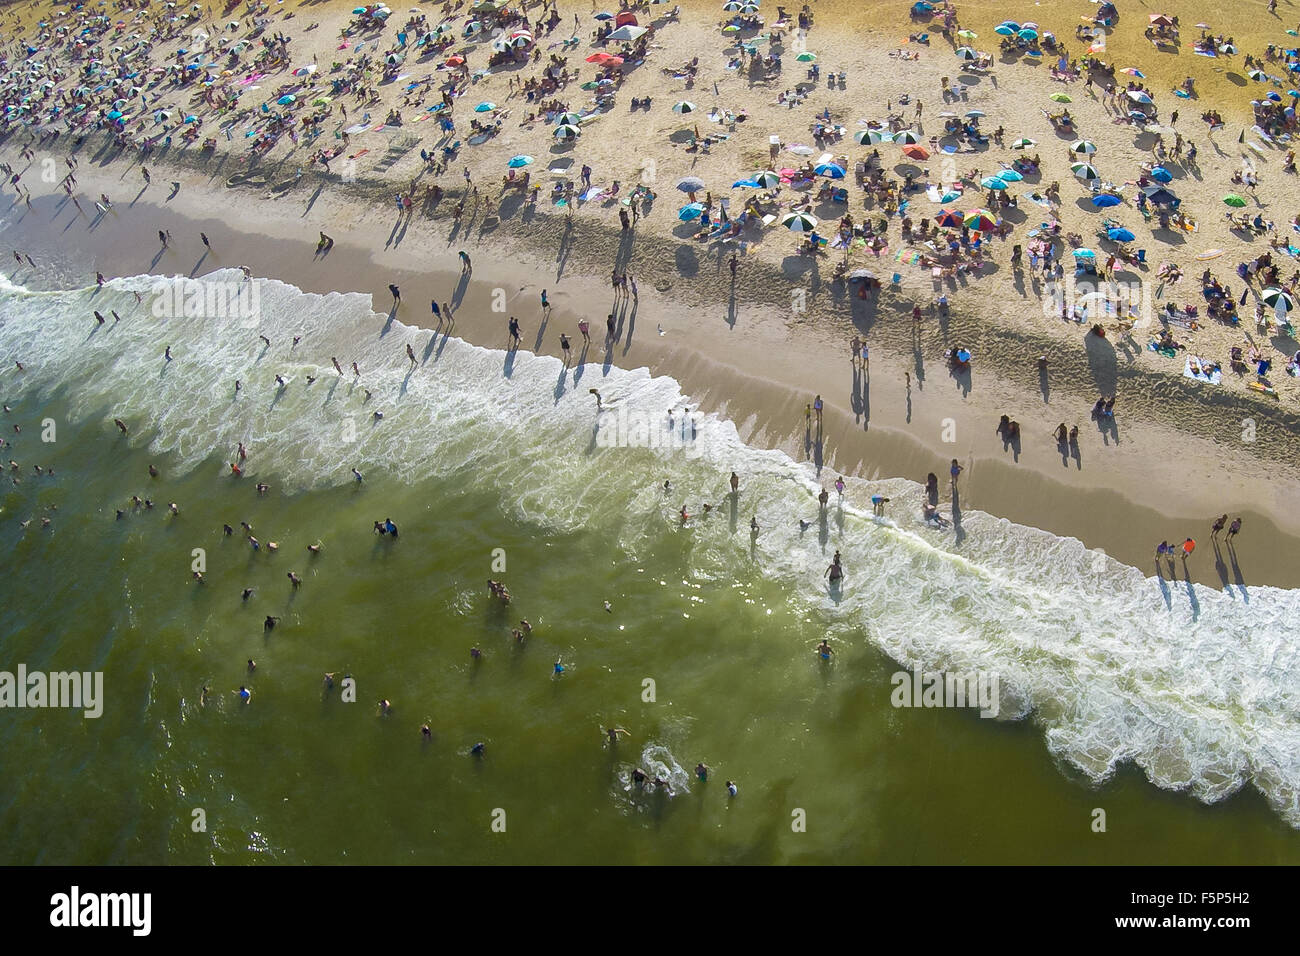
column 948, row 219
column 1228, row 49
column 485, row 107
column 1009, row 175
column 749, row 8
column 1119, row 234
column 745, row 184
column 768, row 179
column 907, row 137
column 1023, row 142
column 980, row 220
column 287, row 98
column 567, row 131
column 691, row 184
column 1161, row 175
column 568, row 119
column 1134, row 71
column 806, row 57
column 950, row 195
column 1027, row 34
column 690, row 211
column 1209, row 254
column 684, row 107
column 1275, row 97
column 1159, row 195
column 1084, row 254
column 1232, row 199
column 966, row 53
column 870, row 137
column 455, row 61
column 521, row 160
column 992, row 182
column 1106, row 200
column 628, row 33
column 610, row 16
column 1061, row 98
column 799, row 222
column 967, row 35
column 916, row 152
column 114, row 114
column 1083, row 146
column 861, row 275
column 974, row 114
column 1258, row 75
column 799, row 149
column 829, row 170
column 732, row 6
column 1010, row 23
column 1085, row 171
column 1004, row 30
column 1137, row 96
column 1278, row 299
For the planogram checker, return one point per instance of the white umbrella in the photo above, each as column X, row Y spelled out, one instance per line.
column 799, row 222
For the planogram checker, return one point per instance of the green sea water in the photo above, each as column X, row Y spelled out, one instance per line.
column 493, row 466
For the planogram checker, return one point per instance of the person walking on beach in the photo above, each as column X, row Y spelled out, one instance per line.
column 954, row 470
column 1234, row 529
column 465, row 265
column 410, row 353
column 514, row 332
column 585, row 329
column 433, row 306
column 546, row 305
column 206, row 243
column 733, row 265
column 564, row 347
column 397, row 294
column 817, row 407
column 1219, row 522
column 735, row 483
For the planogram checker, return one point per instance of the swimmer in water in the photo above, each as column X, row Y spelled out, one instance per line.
column 314, row 548
column 328, row 681
column 263, row 488
column 247, row 593
column 338, row 368
column 265, row 341
column 702, row 772
column 270, row 623
column 731, row 788
column 245, row 694
column 613, row 733
column 475, row 653
column 385, row 707
column 252, row 665
column 121, row 425
column 478, row 749
column 425, row 732
column 559, row 668
column 668, row 486
column 824, row 650
column 804, row 525
column 297, row 581
column 638, row 776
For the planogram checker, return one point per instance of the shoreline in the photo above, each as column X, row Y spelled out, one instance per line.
column 1114, row 509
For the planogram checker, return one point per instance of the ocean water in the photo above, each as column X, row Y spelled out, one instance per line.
column 1174, row 709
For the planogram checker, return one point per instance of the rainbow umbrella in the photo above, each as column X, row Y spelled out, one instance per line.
column 980, row 220
column 948, row 219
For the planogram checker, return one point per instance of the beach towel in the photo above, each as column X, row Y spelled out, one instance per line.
column 1166, row 351
column 1202, row 370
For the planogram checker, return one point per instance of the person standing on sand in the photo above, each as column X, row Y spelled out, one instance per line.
column 817, row 407
column 465, row 265
column 954, row 470
column 1219, row 522
column 1234, row 529
column 397, row 294
column 514, row 332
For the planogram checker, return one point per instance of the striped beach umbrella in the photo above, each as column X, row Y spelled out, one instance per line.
column 870, row 137
column 948, row 219
column 1278, row 299
column 569, row 118
column 1023, row 142
column 966, row 53
column 1085, row 171
column 980, row 220
column 567, row 131
column 768, row 179
column 907, row 137
column 799, row 222
column 1083, row 146
column 684, row 107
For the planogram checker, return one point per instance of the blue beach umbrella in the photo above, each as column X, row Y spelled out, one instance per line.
column 1161, row 175
column 1119, row 235
column 1084, row 254
column 690, row 211
column 745, row 184
column 1010, row 176
column 1004, row 30
column 1028, row 34
column 992, row 182
column 1106, row 200
column 485, row 107
column 287, row 98
column 1274, row 96
column 521, row 160
column 829, row 170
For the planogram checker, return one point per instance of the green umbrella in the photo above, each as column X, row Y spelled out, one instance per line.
column 1232, row 199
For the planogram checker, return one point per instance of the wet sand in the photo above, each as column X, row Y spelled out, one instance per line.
column 1156, row 484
